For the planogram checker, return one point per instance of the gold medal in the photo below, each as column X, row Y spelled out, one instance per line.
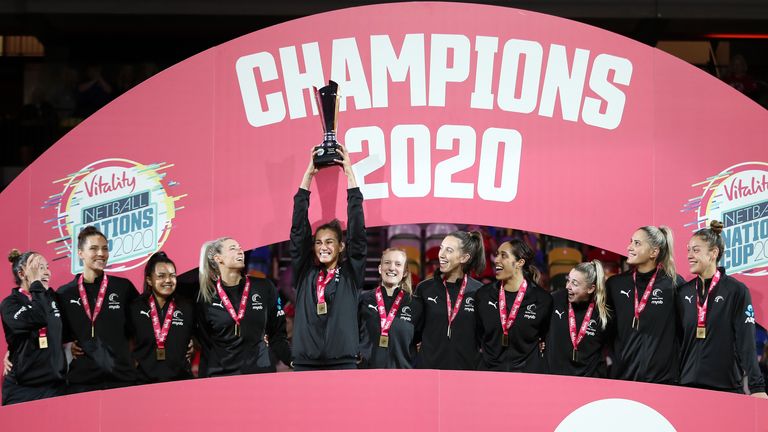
column 43, row 342
column 504, row 340
column 160, row 353
column 384, row 341
column 322, row 308
column 701, row 332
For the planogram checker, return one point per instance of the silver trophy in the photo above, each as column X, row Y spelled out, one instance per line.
column 327, row 153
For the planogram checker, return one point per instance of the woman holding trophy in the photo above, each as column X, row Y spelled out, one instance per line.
column 325, row 334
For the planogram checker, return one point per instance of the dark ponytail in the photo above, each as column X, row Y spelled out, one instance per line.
column 521, row 250
column 471, row 244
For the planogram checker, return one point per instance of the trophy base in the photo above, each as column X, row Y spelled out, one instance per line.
column 327, row 156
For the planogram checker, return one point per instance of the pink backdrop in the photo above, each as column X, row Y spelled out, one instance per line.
column 383, row 400
column 510, row 118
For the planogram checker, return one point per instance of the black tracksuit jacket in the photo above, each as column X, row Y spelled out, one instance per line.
column 330, row 339
column 107, row 361
column 22, row 320
column 401, row 350
column 175, row 366
column 650, row 353
column 530, row 327
column 224, row 353
column 438, row 351
column 559, row 348
column 727, row 354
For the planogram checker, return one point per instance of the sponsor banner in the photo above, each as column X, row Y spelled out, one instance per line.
column 512, row 119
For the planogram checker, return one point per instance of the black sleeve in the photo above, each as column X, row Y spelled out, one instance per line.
column 744, row 328
column 19, row 318
column 364, row 336
column 548, row 306
column 357, row 242
column 276, row 333
column 300, row 247
column 66, row 332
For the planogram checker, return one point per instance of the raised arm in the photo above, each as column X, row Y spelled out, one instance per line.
column 301, row 231
column 357, row 241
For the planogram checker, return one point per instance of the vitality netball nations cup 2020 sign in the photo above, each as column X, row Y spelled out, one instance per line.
column 451, row 113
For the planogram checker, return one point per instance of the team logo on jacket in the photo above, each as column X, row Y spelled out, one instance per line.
column 114, row 301
column 750, row 313
column 20, row 311
column 55, row 308
column 530, row 312
column 405, row 313
column 718, row 299
column 178, row 318
column 256, row 302
column 657, row 297
column 469, row 304
column 591, row 327
column 128, row 201
column 737, row 196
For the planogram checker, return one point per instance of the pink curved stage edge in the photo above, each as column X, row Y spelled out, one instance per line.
column 386, row 400
column 452, row 113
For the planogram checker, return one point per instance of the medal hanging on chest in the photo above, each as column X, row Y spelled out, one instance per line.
column 322, row 282
column 161, row 333
column 508, row 320
column 99, row 301
column 640, row 305
column 701, row 309
column 459, row 298
column 237, row 318
column 386, row 320
column 577, row 338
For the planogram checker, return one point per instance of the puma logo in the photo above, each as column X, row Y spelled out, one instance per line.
column 144, row 313
column 372, row 307
column 689, row 298
column 218, row 304
column 626, row 293
column 493, row 304
column 559, row 314
column 432, row 299
column 77, row 302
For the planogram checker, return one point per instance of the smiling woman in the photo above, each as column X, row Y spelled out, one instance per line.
column 325, row 334
column 101, row 351
column 239, row 317
column 33, row 331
